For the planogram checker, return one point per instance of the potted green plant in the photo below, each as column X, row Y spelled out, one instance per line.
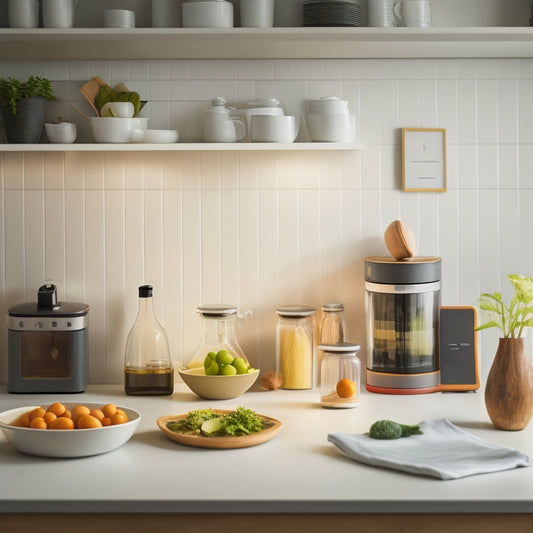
column 509, row 388
column 23, row 107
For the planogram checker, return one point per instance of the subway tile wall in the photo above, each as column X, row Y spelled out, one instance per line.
column 259, row 229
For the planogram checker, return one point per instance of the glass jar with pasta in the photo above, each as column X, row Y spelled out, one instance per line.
column 295, row 346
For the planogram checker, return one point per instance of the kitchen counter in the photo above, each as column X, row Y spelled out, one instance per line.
column 298, row 471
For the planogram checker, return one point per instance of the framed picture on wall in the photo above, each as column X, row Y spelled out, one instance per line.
column 424, row 159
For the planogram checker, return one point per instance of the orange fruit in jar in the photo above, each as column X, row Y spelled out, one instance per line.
column 62, row 422
column 88, row 422
column 38, row 423
column 345, row 388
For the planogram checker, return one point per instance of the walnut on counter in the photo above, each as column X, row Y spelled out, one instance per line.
column 271, row 380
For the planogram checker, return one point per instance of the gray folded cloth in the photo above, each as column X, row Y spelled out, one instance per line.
column 443, row 451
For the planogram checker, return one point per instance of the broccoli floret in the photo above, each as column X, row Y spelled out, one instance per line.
column 389, row 430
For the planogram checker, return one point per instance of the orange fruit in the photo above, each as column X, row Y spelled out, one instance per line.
column 109, row 410
column 118, row 418
column 38, row 412
column 106, row 421
column 67, row 414
column 57, row 408
column 78, row 411
column 88, row 422
column 49, row 417
column 38, row 423
column 345, row 388
column 62, row 422
column 23, row 421
column 97, row 413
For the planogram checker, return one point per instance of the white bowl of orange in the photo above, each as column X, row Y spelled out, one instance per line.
column 69, row 429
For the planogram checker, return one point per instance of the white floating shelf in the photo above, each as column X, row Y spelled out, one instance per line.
column 176, row 147
column 257, row 43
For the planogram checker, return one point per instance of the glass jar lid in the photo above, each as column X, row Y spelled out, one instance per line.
column 295, row 311
column 333, row 307
column 340, row 348
column 216, row 310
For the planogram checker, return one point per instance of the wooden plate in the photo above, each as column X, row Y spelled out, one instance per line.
column 229, row 442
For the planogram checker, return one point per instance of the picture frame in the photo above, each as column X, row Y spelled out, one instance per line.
column 424, row 159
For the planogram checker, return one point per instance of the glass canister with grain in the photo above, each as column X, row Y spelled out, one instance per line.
column 295, row 346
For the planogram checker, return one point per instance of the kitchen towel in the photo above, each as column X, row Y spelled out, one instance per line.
column 443, row 451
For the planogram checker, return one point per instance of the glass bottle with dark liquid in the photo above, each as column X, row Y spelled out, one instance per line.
column 148, row 369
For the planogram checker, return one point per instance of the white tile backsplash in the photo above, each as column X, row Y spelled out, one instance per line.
column 259, row 229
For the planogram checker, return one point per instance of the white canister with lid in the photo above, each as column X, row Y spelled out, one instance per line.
column 329, row 120
column 264, row 106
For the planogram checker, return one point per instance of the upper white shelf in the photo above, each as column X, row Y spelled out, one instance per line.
column 178, row 147
column 236, row 43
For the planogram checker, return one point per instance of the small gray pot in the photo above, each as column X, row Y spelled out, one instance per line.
column 26, row 126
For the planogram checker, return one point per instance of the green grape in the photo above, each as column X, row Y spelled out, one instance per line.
column 241, row 365
column 227, row 370
column 224, row 357
column 212, row 369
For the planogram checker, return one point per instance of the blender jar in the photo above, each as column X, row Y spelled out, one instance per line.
column 218, row 333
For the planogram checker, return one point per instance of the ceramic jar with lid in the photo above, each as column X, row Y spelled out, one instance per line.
column 220, row 126
column 295, row 346
column 340, row 375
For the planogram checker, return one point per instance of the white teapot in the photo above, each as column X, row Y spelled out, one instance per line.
column 220, row 126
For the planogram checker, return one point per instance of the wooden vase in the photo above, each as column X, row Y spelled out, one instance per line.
column 509, row 388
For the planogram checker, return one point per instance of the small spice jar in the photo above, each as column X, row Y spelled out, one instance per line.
column 295, row 346
column 340, row 375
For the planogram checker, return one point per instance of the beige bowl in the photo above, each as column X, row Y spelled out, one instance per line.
column 67, row 443
column 218, row 387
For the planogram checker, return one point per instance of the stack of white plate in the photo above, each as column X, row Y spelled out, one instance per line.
column 331, row 13
column 119, row 18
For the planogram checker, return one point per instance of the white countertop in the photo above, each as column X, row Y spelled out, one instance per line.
column 298, row 471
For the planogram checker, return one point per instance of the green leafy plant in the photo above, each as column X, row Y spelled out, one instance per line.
column 13, row 91
column 513, row 318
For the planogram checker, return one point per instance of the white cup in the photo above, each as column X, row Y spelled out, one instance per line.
column 380, row 13
column 273, row 128
column 59, row 13
column 63, row 132
column 117, row 109
column 166, row 13
column 23, row 13
column 257, row 13
column 413, row 13
column 325, row 127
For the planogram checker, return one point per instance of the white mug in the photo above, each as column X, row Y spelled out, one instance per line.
column 23, row 13
column 257, row 13
column 380, row 13
column 413, row 13
column 59, row 13
column 166, row 13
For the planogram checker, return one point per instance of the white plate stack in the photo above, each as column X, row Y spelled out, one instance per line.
column 119, row 18
column 331, row 13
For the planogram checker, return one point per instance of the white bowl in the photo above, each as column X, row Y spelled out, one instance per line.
column 273, row 128
column 63, row 133
column 155, row 136
column 207, row 14
column 217, row 387
column 67, row 443
column 116, row 130
column 117, row 110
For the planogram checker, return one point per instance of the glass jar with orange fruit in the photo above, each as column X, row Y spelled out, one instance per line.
column 340, row 375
